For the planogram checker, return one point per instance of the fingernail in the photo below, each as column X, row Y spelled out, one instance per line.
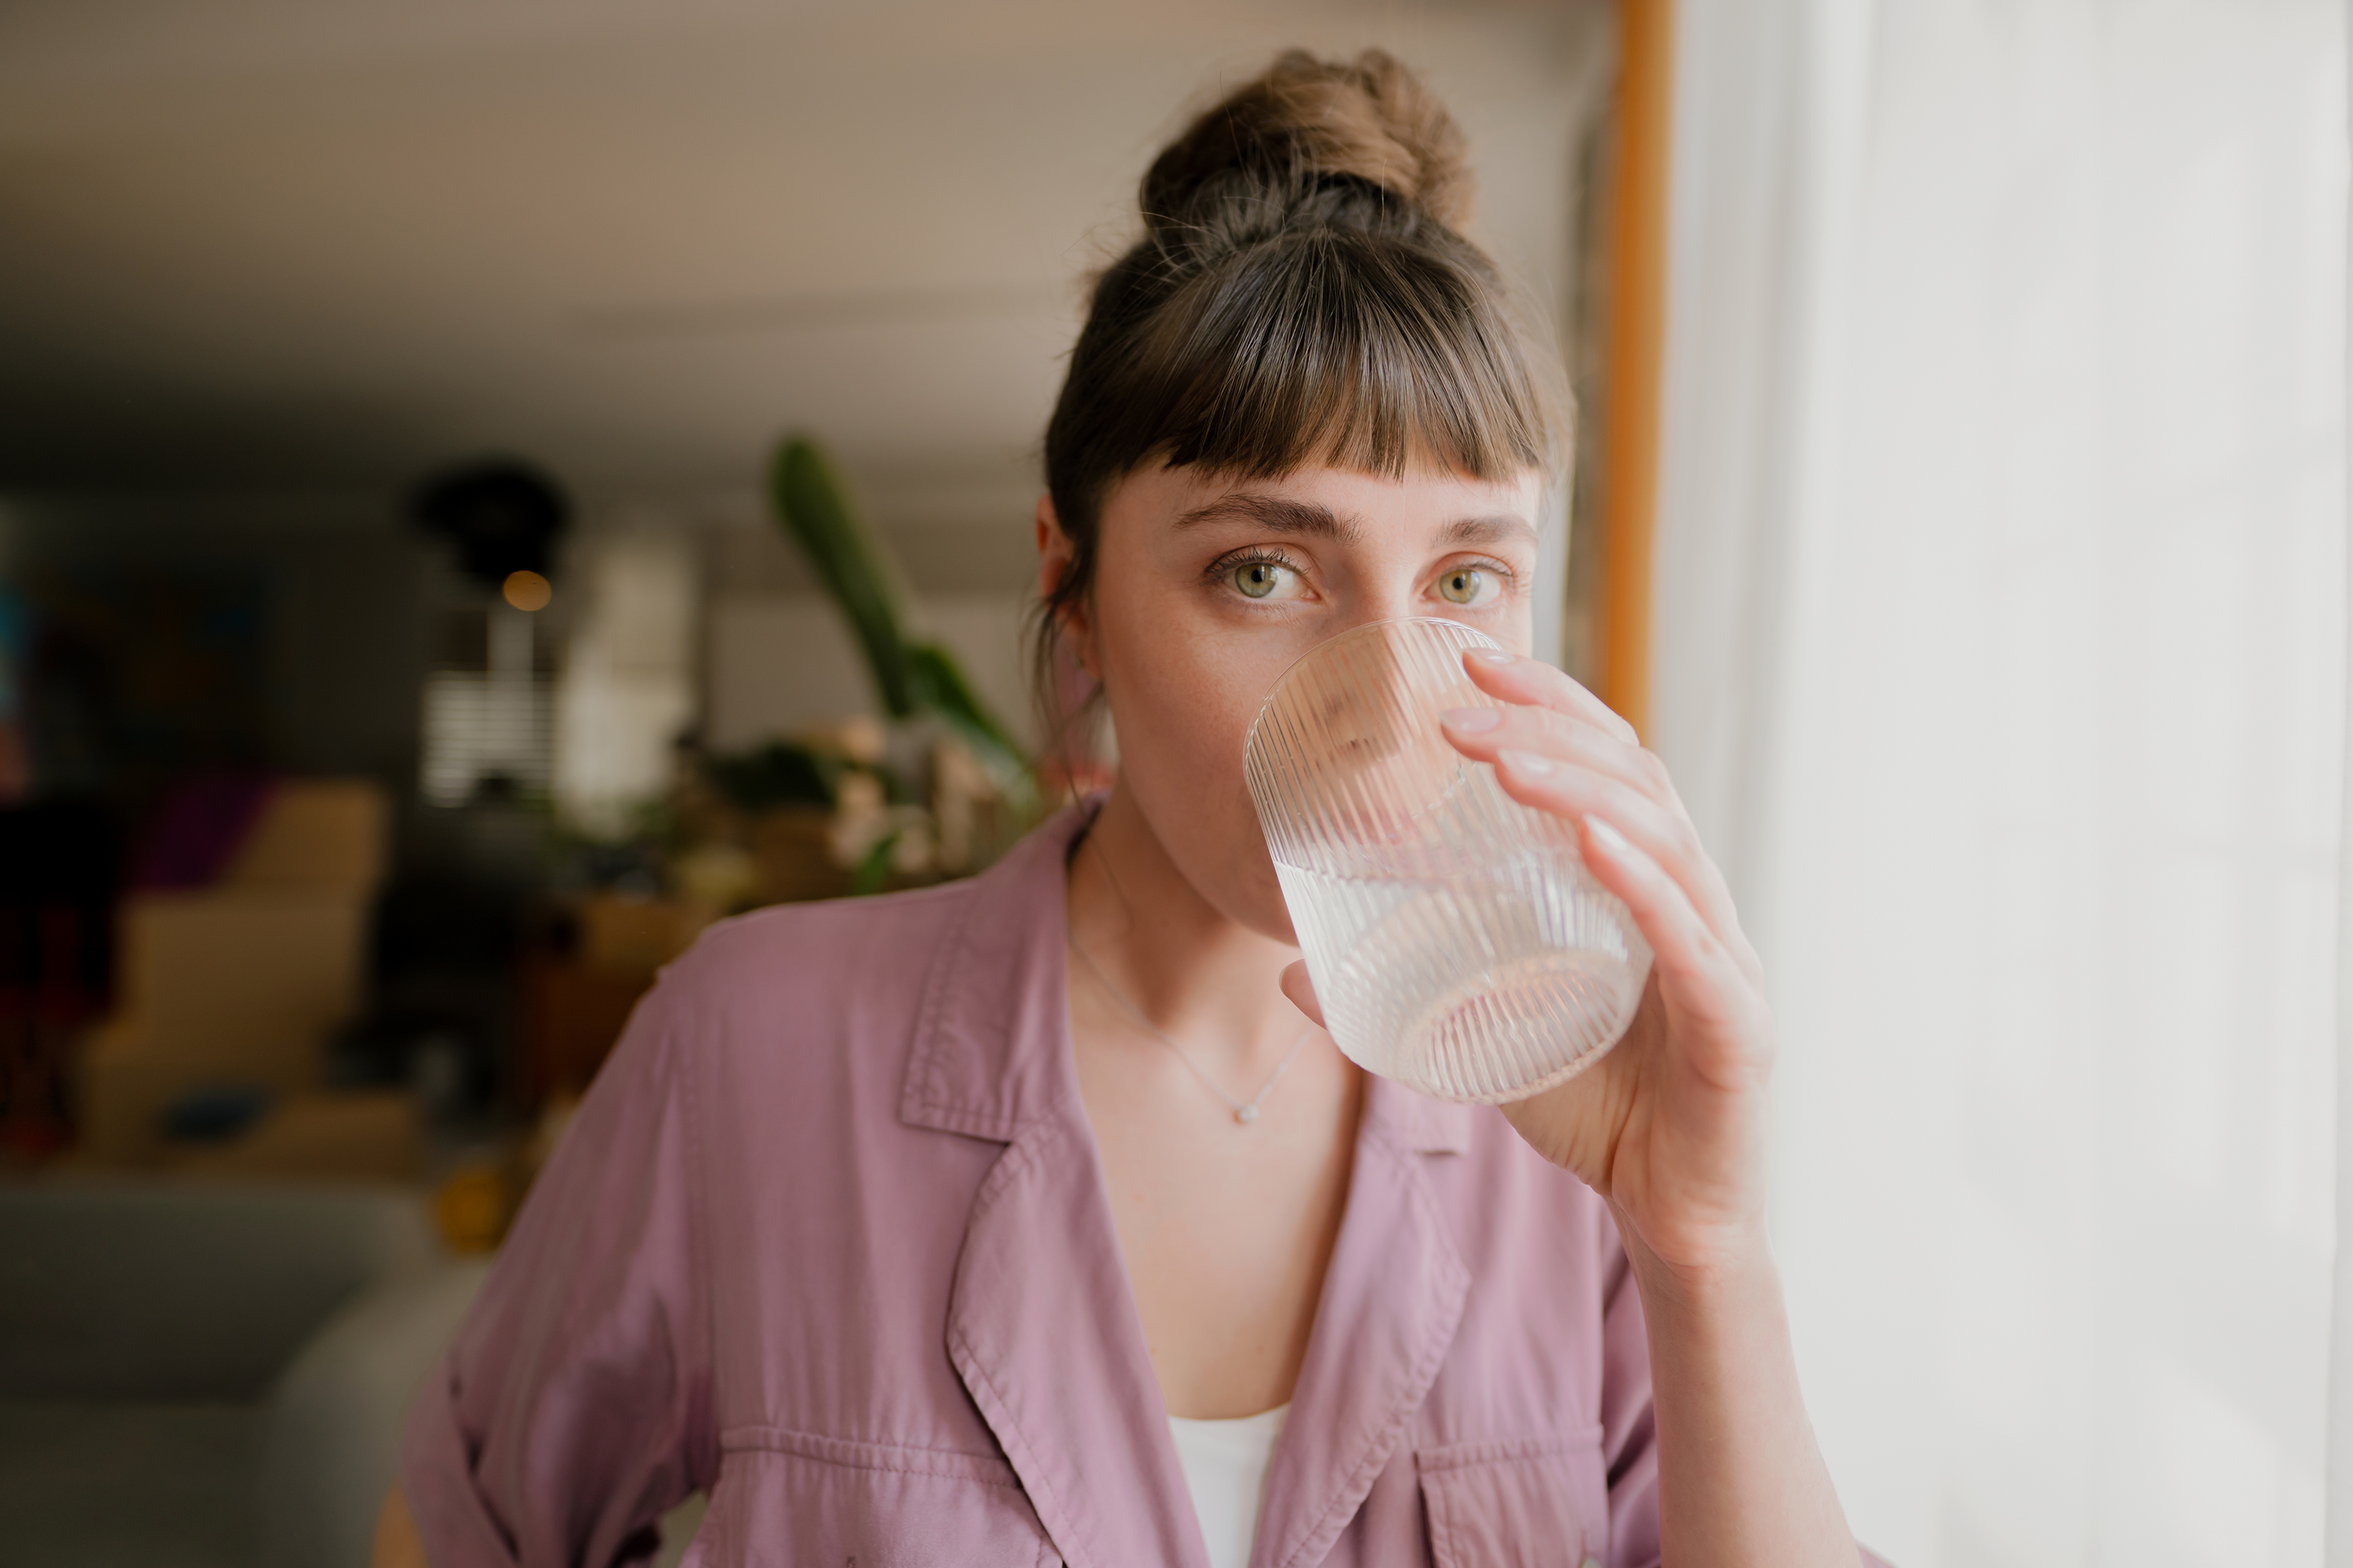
column 1491, row 655
column 1527, row 762
column 1609, row 838
column 1472, row 721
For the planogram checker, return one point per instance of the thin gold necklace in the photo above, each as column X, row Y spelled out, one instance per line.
column 1245, row 1111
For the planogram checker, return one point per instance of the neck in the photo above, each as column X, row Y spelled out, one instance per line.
column 1202, row 977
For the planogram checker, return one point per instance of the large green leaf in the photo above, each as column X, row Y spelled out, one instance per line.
column 850, row 561
column 855, row 567
column 941, row 687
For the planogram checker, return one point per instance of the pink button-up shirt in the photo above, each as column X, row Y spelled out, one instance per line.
column 830, row 1240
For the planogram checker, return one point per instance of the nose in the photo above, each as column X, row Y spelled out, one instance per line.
column 1349, row 694
column 1378, row 601
column 1351, row 729
column 1356, row 696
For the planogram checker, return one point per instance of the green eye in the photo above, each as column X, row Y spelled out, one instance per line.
column 1257, row 579
column 1462, row 586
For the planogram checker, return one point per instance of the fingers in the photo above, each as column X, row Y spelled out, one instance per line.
column 1572, row 767
column 1486, row 732
column 1533, row 681
column 1546, row 704
column 1659, row 831
column 1683, row 943
column 1571, row 755
column 1302, row 992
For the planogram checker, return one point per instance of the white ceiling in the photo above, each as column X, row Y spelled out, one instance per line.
column 331, row 243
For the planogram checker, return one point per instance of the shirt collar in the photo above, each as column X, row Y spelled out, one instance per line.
column 989, row 1053
column 1042, row 1328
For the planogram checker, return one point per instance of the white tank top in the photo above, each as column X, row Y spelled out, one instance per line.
column 1225, row 1469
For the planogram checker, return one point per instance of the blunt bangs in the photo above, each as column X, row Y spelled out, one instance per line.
column 1321, row 348
column 1330, row 349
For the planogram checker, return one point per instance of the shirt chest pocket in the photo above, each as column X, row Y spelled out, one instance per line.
column 794, row 1500
column 1532, row 1502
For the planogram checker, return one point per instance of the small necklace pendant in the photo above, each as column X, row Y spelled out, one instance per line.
column 1246, row 1114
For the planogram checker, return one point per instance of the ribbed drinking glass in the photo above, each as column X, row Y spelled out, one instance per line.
column 1456, row 942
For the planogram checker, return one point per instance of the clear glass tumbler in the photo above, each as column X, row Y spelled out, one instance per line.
column 1457, row 942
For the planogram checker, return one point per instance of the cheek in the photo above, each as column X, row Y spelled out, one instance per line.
column 1182, row 701
column 1182, row 706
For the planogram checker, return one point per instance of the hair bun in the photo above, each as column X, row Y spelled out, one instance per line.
column 1306, row 121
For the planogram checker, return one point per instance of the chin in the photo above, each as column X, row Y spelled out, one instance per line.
column 1256, row 902
column 1226, row 862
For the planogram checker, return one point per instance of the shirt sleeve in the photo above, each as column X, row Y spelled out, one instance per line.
column 574, row 1407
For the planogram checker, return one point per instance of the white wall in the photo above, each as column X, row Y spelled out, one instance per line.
column 780, row 662
column 258, row 239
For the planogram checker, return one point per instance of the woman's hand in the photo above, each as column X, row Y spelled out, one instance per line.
column 1669, row 1126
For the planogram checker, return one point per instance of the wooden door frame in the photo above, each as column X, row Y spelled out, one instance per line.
column 1634, row 355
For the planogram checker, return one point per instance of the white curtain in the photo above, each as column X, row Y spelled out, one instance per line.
column 2000, row 629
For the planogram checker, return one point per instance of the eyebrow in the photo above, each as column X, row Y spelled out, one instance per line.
column 1309, row 519
column 1277, row 514
column 1488, row 529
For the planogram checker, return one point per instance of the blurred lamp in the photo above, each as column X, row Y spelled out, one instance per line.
column 503, row 515
column 527, row 591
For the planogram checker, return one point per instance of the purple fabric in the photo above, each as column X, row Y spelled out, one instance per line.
column 830, row 1240
column 202, row 825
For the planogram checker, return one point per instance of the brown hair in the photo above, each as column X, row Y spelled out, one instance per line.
column 1299, row 295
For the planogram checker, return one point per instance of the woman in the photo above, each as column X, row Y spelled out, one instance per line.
column 1025, row 1220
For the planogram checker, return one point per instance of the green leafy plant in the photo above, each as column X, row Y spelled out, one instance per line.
column 781, row 773
column 912, row 678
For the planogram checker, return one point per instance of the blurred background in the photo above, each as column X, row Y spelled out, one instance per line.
column 413, row 629
column 488, row 489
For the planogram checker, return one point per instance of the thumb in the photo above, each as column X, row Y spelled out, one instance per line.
column 1302, row 992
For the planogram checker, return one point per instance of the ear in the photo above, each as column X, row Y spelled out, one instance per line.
column 1056, row 556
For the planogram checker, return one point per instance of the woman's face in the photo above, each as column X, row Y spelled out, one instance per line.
column 1207, row 589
